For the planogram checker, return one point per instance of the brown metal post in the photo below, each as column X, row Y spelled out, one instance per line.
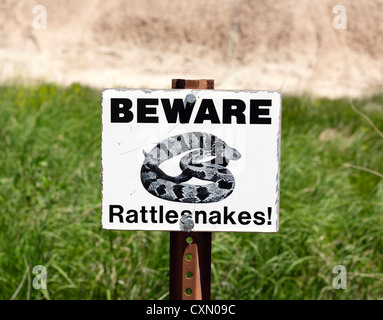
column 190, row 252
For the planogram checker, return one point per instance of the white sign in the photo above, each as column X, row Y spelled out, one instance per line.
column 199, row 160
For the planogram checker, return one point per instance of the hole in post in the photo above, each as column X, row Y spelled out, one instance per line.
column 188, row 291
column 189, row 256
column 189, row 240
column 189, row 274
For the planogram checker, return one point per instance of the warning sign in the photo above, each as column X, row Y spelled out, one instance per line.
column 200, row 160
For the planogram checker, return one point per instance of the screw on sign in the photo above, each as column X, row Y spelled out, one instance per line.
column 218, row 171
column 187, row 222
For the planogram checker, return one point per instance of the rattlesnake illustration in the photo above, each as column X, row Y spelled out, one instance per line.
column 199, row 145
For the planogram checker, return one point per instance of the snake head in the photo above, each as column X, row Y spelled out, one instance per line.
column 231, row 154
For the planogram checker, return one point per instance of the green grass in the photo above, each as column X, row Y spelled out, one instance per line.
column 50, row 172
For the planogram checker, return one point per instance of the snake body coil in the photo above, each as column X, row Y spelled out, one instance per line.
column 199, row 145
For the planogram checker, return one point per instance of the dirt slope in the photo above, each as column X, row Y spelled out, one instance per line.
column 242, row 44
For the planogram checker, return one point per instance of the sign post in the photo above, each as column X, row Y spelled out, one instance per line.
column 190, row 253
column 192, row 161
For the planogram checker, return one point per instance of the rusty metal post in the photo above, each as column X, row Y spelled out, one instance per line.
column 190, row 252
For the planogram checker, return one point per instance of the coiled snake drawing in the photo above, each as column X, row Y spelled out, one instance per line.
column 200, row 145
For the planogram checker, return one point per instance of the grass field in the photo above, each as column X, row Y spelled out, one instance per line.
column 50, row 171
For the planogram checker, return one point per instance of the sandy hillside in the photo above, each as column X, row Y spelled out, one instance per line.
column 243, row 44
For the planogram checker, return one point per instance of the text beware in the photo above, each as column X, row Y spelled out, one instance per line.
column 233, row 111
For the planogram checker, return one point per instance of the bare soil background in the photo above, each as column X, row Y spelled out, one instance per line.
column 243, row 44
